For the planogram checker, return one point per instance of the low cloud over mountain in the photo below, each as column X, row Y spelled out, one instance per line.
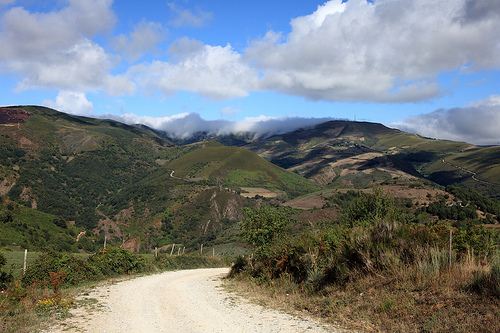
column 478, row 123
column 184, row 125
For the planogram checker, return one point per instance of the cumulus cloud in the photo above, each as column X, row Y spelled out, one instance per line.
column 184, row 125
column 478, row 123
column 356, row 50
column 184, row 17
column 81, row 66
column 383, row 51
column 213, row 71
column 55, row 49
column 71, row 102
column 35, row 35
column 144, row 38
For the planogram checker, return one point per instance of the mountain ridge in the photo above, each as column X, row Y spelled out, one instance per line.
column 115, row 180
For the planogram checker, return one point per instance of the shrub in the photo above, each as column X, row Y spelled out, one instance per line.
column 477, row 238
column 262, row 225
column 116, row 261
column 369, row 208
column 76, row 269
column 487, row 283
column 238, row 266
column 5, row 278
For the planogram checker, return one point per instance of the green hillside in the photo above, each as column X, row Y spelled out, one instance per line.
column 68, row 165
column 34, row 230
column 67, row 174
column 113, row 180
column 237, row 167
column 361, row 154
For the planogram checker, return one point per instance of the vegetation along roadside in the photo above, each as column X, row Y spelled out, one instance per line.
column 378, row 267
column 46, row 292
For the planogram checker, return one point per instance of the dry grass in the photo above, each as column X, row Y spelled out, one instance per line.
column 252, row 192
column 30, row 309
column 425, row 298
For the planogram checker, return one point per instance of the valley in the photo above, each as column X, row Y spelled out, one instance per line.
column 304, row 217
column 250, row 166
column 141, row 190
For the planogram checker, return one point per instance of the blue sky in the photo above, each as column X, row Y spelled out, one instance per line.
column 395, row 62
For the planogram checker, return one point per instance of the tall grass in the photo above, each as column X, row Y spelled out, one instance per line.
column 377, row 248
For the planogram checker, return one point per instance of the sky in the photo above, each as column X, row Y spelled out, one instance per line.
column 429, row 67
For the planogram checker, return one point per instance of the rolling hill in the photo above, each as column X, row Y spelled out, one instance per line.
column 114, row 180
column 361, row 154
column 237, row 167
column 141, row 189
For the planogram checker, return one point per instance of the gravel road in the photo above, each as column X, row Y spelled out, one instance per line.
column 185, row 301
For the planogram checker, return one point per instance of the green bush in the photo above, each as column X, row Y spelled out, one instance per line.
column 262, row 225
column 366, row 208
column 476, row 238
column 110, row 262
column 116, row 261
column 5, row 278
column 442, row 210
column 340, row 253
column 238, row 266
column 76, row 269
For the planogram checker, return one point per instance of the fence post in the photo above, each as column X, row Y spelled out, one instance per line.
column 24, row 262
column 156, row 252
column 172, row 251
column 201, row 249
column 183, row 250
column 213, row 251
column 179, row 250
column 105, row 241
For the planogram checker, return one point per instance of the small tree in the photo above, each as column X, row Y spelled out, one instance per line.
column 368, row 209
column 262, row 225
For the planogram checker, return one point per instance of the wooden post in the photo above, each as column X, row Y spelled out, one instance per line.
column 449, row 249
column 179, row 251
column 213, row 252
column 105, row 241
column 201, row 249
column 24, row 262
column 172, row 251
column 183, row 250
column 156, row 252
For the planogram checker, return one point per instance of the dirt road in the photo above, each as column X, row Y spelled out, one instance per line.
column 183, row 301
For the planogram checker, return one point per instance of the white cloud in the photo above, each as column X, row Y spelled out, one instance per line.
column 80, row 67
column 385, row 51
column 143, row 39
column 213, row 71
column 55, row 49
column 118, row 85
column 184, row 125
column 183, row 48
column 184, row 17
column 36, row 35
column 71, row 102
column 377, row 51
column 478, row 123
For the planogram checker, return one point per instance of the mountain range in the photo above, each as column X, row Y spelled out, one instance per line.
column 65, row 177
